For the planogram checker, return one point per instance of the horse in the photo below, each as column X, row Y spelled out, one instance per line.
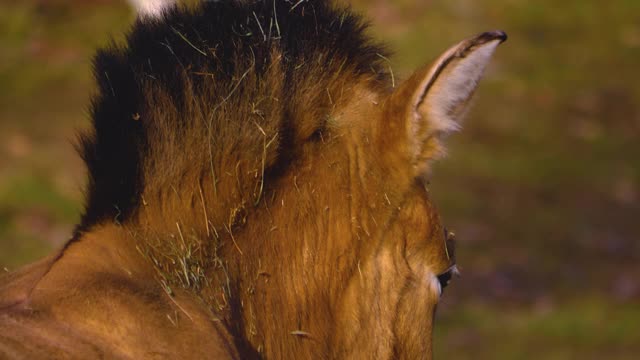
column 257, row 188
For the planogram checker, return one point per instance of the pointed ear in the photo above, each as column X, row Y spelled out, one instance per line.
column 151, row 8
column 436, row 97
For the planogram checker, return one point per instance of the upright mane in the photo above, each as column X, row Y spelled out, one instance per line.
column 216, row 99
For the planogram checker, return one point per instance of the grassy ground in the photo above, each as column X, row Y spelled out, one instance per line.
column 580, row 330
column 45, row 82
column 542, row 186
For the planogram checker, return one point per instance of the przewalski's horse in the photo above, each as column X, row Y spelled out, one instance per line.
column 256, row 189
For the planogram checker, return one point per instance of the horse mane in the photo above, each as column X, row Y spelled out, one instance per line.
column 227, row 86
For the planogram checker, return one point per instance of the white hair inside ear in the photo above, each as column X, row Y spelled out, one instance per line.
column 450, row 91
column 151, row 8
column 440, row 94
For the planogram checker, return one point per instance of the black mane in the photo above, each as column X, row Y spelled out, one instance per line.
column 176, row 54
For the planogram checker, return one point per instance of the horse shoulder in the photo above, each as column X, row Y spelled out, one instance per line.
column 88, row 305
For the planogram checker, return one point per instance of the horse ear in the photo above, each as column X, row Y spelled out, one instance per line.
column 436, row 97
column 151, row 8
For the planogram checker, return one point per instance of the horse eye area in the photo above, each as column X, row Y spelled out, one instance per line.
column 445, row 279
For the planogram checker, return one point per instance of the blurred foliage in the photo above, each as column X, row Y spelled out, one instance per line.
column 542, row 186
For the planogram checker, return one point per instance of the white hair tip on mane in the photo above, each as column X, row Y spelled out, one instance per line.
column 151, row 8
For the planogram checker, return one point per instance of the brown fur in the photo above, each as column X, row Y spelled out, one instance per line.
column 319, row 241
column 317, row 282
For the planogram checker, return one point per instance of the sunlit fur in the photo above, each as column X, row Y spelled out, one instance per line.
column 252, row 193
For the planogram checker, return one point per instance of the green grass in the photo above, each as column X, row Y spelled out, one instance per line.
column 585, row 329
column 34, row 218
column 45, row 83
column 23, row 193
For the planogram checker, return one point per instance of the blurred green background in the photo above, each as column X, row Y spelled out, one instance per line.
column 542, row 187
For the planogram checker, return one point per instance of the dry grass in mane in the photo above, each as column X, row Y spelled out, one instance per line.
column 217, row 101
column 198, row 113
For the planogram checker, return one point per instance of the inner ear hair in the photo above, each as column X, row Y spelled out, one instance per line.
column 444, row 89
column 453, row 79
